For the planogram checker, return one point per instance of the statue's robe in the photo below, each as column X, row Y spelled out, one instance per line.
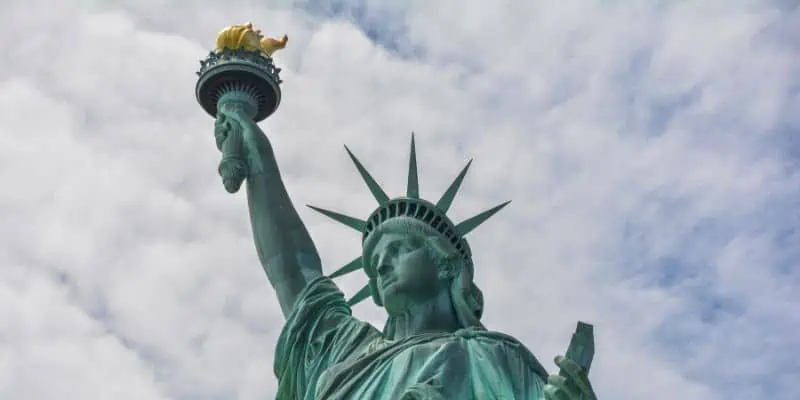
column 325, row 353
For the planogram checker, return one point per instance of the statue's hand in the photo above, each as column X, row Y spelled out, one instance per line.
column 574, row 385
column 242, row 143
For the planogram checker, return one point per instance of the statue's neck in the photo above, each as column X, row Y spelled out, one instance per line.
column 434, row 315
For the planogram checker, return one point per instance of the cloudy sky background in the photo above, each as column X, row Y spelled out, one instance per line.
column 650, row 150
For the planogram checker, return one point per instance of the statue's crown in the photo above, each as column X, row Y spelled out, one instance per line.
column 409, row 206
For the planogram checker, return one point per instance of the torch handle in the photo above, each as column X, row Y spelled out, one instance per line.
column 230, row 140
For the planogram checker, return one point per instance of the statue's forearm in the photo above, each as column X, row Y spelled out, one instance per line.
column 284, row 246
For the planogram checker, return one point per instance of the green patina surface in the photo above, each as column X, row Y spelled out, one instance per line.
column 324, row 350
column 418, row 266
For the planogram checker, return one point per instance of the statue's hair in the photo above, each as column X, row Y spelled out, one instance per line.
column 467, row 298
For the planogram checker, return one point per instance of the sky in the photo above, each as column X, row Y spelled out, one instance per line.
column 650, row 150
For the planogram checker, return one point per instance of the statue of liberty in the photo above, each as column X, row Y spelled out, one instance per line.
column 417, row 261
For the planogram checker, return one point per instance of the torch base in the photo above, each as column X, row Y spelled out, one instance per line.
column 237, row 71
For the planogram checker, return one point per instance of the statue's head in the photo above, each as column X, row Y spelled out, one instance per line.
column 407, row 265
column 412, row 251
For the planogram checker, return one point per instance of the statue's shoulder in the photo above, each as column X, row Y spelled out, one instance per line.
column 491, row 336
column 509, row 344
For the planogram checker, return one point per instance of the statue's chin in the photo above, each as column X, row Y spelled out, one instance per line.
column 391, row 302
column 395, row 301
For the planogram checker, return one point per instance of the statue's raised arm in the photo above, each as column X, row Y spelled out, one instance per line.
column 284, row 246
column 238, row 84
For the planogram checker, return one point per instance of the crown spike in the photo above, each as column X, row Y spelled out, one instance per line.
column 360, row 296
column 450, row 194
column 467, row 226
column 412, row 190
column 376, row 190
column 354, row 265
column 354, row 223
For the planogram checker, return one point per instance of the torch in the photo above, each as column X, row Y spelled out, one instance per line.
column 238, row 76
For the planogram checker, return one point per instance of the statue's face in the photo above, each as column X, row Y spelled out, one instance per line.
column 405, row 272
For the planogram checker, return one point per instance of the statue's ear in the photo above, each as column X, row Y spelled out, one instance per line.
column 447, row 259
column 448, row 269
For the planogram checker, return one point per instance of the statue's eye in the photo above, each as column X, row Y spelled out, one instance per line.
column 410, row 245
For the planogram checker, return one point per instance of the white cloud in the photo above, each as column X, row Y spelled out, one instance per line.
column 647, row 150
